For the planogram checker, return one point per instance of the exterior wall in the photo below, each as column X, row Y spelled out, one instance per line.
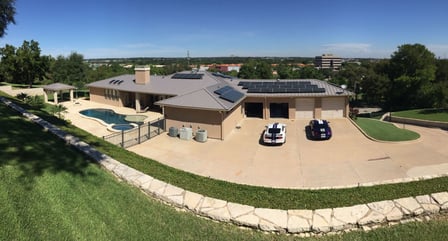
column 318, row 108
column 218, row 125
column 197, row 119
column 98, row 95
column 231, row 120
column 347, row 107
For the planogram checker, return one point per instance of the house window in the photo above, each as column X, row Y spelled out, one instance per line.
column 111, row 94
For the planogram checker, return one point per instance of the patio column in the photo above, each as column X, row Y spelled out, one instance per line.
column 55, row 96
column 45, row 96
column 71, row 95
column 137, row 102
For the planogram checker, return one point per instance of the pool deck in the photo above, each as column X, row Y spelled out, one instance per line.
column 93, row 126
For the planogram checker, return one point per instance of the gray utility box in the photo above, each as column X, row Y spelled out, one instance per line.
column 173, row 132
column 185, row 133
column 201, row 135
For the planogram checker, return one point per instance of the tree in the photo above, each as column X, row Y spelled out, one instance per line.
column 58, row 110
column 70, row 70
column 412, row 70
column 256, row 70
column 8, row 64
column 441, row 84
column 247, row 71
column 30, row 65
column 263, row 70
column 284, row 71
column 23, row 65
column 309, row 72
column 7, row 12
column 374, row 88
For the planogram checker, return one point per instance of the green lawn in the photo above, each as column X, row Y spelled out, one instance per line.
column 384, row 131
column 49, row 191
column 424, row 114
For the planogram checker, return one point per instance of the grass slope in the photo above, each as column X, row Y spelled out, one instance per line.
column 385, row 131
column 424, row 114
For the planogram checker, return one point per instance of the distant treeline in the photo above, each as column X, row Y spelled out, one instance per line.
column 201, row 60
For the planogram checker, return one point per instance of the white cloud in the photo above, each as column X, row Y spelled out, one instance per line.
column 360, row 50
column 440, row 50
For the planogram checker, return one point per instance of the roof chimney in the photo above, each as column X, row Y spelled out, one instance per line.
column 142, row 74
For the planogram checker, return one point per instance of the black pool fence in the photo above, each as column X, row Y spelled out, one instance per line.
column 142, row 133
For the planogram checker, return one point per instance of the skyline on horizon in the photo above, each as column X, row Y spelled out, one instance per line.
column 247, row 28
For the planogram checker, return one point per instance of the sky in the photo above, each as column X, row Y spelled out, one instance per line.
column 212, row 28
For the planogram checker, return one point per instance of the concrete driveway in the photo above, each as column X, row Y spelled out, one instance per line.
column 348, row 158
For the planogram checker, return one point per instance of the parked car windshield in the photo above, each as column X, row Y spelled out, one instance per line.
column 274, row 130
column 321, row 125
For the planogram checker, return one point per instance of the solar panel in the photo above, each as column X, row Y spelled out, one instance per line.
column 232, row 96
column 319, row 90
column 280, row 87
column 223, row 90
column 255, row 90
column 187, row 76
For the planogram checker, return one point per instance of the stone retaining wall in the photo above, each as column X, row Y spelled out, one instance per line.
column 425, row 123
column 299, row 221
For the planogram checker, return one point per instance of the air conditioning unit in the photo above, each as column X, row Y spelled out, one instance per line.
column 185, row 133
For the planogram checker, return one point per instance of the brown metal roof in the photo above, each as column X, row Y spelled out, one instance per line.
column 58, row 87
column 199, row 93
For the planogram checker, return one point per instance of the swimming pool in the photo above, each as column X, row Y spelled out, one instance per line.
column 110, row 118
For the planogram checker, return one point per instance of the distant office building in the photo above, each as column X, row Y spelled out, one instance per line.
column 327, row 61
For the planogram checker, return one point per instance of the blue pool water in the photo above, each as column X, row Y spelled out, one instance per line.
column 122, row 127
column 106, row 115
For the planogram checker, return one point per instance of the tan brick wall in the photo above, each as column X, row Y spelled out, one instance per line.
column 197, row 119
column 98, row 95
column 218, row 124
column 231, row 120
column 318, row 108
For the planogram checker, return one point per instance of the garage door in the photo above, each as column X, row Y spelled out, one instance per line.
column 333, row 108
column 305, row 108
column 254, row 110
column 279, row 110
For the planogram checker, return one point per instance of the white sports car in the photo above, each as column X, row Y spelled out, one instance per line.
column 275, row 133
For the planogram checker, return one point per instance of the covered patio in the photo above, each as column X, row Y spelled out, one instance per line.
column 56, row 89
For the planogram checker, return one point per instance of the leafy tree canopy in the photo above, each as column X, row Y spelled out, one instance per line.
column 70, row 70
column 23, row 65
column 7, row 12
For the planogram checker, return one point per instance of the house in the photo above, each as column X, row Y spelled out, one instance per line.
column 216, row 102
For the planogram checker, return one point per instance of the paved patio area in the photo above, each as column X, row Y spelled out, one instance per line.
column 95, row 127
column 348, row 158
